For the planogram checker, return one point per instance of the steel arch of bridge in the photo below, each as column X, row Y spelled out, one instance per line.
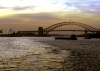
column 52, row 27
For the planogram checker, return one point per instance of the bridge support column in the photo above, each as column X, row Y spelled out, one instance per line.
column 86, row 35
column 40, row 31
column 85, row 32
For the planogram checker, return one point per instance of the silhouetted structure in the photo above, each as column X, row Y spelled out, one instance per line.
column 1, row 31
column 26, row 33
column 87, row 27
column 40, row 31
column 73, row 37
column 44, row 32
column 86, row 35
column 96, row 35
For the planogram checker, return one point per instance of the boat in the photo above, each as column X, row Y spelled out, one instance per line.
column 73, row 37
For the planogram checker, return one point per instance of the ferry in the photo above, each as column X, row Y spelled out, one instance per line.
column 73, row 37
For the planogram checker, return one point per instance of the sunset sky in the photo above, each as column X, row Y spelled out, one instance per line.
column 30, row 14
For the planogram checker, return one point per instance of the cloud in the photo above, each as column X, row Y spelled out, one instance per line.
column 29, row 18
column 38, row 16
column 87, row 6
column 2, row 7
column 23, row 8
column 74, row 17
column 9, row 20
column 28, row 21
column 18, row 8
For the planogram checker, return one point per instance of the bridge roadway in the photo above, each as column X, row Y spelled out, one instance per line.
column 52, row 31
column 69, row 30
column 76, row 30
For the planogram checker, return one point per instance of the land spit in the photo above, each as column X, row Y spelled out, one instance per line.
column 47, row 54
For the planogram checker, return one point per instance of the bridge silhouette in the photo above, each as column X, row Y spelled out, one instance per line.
column 54, row 26
column 44, row 31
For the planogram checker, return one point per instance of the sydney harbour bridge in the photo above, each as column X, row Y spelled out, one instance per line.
column 88, row 28
column 44, row 31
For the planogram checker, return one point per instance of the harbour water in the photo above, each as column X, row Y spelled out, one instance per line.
column 48, row 54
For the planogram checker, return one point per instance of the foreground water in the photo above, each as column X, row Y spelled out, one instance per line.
column 47, row 54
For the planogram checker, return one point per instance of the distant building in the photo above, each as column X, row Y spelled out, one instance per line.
column 0, row 31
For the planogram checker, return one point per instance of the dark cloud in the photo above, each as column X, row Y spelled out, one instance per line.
column 27, row 21
column 23, row 8
column 29, row 18
column 18, row 8
column 9, row 20
column 39, row 16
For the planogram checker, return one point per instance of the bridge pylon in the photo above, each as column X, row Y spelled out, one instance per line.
column 87, row 36
column 40, row 31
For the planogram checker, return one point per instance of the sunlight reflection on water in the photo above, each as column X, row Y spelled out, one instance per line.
column 35, row 55
column 30, row 54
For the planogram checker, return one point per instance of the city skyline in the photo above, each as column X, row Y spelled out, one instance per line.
column 30, row 14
